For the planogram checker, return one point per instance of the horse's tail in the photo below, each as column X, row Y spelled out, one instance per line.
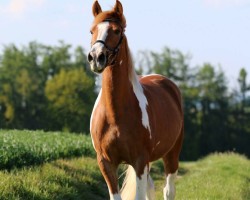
column 128, row 191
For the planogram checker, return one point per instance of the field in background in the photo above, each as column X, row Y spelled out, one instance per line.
column 217, row 176
column 24, row 148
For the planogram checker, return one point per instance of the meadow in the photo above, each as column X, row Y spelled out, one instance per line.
column 75, row 175
column 24, row 148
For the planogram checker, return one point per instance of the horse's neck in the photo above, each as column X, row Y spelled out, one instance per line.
column 116, row 84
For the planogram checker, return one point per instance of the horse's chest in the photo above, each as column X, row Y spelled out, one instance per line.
column 115, row 137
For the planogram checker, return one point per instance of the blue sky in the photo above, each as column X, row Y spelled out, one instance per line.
column 215, row 31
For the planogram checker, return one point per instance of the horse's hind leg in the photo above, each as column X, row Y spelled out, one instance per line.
column 171, row 164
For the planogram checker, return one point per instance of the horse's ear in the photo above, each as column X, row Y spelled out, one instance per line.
column 118, row 7
column 96, row 8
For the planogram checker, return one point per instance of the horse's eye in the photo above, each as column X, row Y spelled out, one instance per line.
column 117, row 31
column 91, row 32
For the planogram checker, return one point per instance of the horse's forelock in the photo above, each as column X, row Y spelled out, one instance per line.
column 110, row 15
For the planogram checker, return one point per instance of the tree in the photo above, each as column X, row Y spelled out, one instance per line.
column 24, row 73
column 213, row 109
column 240, row 115
column 19, row 83
column 71, row 95
column 244, row 87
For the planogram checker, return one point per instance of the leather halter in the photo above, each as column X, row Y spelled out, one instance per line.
column 117, row 47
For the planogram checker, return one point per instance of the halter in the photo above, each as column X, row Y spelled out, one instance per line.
column 117, row 47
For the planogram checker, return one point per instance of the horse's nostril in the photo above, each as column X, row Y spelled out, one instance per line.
column 101, row 58
column 90, row 57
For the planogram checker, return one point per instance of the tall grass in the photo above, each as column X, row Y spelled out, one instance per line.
column 22, row 148
column 219, row 176
column 58, row 180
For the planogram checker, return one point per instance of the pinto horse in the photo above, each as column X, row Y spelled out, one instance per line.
column 135, row 120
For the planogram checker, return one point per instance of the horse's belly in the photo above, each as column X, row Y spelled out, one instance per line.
column 165, row 133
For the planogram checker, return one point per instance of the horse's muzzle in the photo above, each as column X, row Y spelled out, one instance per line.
column 97, row 61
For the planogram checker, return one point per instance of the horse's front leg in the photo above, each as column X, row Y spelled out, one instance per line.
column 109, row 172
column 141, row 184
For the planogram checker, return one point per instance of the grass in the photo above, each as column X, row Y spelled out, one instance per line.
column 218, row 176
column 58, row 180
column 24, row 148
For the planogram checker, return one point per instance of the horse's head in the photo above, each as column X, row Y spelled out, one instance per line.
column 107, row 35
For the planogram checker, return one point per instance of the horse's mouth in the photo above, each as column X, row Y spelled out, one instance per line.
column 100, row 71
column 95, row 69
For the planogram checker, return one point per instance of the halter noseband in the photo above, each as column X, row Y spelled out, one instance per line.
column 116, row 49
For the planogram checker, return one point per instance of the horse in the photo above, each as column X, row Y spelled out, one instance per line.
column 136, row 119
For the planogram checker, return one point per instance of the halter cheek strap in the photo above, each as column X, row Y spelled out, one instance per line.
column 113, row 50
column 116, row 49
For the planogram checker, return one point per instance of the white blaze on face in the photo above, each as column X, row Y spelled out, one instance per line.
column 102, row 29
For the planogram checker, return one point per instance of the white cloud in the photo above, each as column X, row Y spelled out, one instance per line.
column 225, row 3
column 17, row 8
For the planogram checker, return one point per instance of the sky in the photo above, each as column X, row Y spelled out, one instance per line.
column 214, row 31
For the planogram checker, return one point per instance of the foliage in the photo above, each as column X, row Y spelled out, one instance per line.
column 22, row 148
column 27, row 73
column 69, row 98
column 218, row 176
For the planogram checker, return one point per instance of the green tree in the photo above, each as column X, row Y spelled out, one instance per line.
column 170, row 63
column 20, row 83
column 213, row 109
column 24, row 73
column 244, row 87
column 240, row 115
column 71, row 95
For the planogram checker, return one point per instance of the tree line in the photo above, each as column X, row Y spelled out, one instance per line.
column 45, row 87
column 51, row 88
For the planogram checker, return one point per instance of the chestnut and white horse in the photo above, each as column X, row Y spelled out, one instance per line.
column 135, row 120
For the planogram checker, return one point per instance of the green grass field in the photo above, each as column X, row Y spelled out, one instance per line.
column 220, row 176
column 217, row 176
column 24, row 148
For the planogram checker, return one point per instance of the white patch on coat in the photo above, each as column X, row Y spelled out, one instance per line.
column 169, row 190
column 150, row 189
column 102, row 35
column 143, row 102
column 115, row 197
column 144, row 76
column 91, row 118
column 141, row 185
column 121, row 62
